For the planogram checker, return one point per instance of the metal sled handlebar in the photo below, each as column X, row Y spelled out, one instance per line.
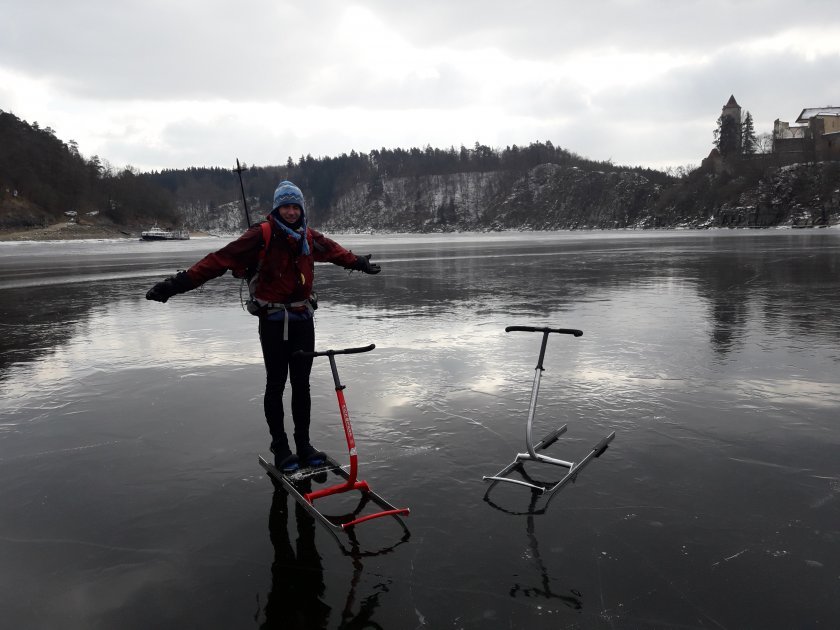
column 329, row 353
column 563, row 331
column 545, row 333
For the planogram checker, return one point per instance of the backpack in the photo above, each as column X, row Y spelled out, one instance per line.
column 248, row 273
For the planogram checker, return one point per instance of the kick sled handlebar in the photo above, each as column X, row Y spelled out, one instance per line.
column 329, row 353
column 545, row 333
column 564, row 331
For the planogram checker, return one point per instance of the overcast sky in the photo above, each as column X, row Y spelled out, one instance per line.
column 179, row 83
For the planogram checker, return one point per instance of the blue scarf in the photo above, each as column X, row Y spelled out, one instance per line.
column 298, row 235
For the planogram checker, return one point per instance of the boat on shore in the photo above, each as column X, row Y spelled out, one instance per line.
column 156, row 233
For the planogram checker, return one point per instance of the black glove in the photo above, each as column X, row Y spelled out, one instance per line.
column 363, row 264
column 173, row 285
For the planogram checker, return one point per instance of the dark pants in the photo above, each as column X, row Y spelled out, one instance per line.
column 278, row 366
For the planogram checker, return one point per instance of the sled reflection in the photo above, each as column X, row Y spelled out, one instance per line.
column 544, row 589
column 296, row 597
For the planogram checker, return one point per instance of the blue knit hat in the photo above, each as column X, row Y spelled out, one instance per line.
column 287, row 193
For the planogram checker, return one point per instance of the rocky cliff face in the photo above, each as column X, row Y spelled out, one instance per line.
column 227, row 218
column 799, row 195
column 436, row 202
column 551, row 197
column 547, row 197
column 554, row 197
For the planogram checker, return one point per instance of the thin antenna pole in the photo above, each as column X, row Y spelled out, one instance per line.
column 238, row 170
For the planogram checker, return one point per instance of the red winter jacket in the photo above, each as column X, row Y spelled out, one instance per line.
column 285, row 275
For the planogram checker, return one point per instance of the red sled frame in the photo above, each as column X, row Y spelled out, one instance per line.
column 532, row 454
column 351, row 480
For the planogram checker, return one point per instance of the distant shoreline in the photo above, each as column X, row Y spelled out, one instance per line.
column 77, row 232
column 73, row 232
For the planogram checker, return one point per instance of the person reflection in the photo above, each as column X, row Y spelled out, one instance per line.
column 297, row 576
column 295, row 599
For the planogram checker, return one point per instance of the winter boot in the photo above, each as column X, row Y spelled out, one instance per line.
column 285, row 461
column 308, row 455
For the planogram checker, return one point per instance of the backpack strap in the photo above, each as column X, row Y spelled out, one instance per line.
column 265, row 231
column 265, row 226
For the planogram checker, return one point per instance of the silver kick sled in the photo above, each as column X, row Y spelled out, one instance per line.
column 532, row 454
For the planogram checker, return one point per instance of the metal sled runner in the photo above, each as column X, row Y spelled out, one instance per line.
column 292, row 481
column 532, row 454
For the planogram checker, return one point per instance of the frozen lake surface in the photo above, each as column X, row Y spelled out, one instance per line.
column 131, row 497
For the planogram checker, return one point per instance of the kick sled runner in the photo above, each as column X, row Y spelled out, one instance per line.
column 534, row 451
column 299, row 483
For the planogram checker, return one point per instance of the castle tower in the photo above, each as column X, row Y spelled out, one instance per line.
column 733, row 111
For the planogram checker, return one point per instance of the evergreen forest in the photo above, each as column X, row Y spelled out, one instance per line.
column 42, row 177
column 44, row 180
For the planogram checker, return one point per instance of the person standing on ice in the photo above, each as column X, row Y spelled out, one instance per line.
column 278, row 256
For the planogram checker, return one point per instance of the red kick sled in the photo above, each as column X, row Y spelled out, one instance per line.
column 292, row 481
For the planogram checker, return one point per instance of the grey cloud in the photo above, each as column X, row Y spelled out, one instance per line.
column 139, row 50
column 353, row 87
column 541, row 29
column 673, row 120
column 270, row 51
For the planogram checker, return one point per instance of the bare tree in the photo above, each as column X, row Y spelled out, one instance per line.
column 764, row 143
